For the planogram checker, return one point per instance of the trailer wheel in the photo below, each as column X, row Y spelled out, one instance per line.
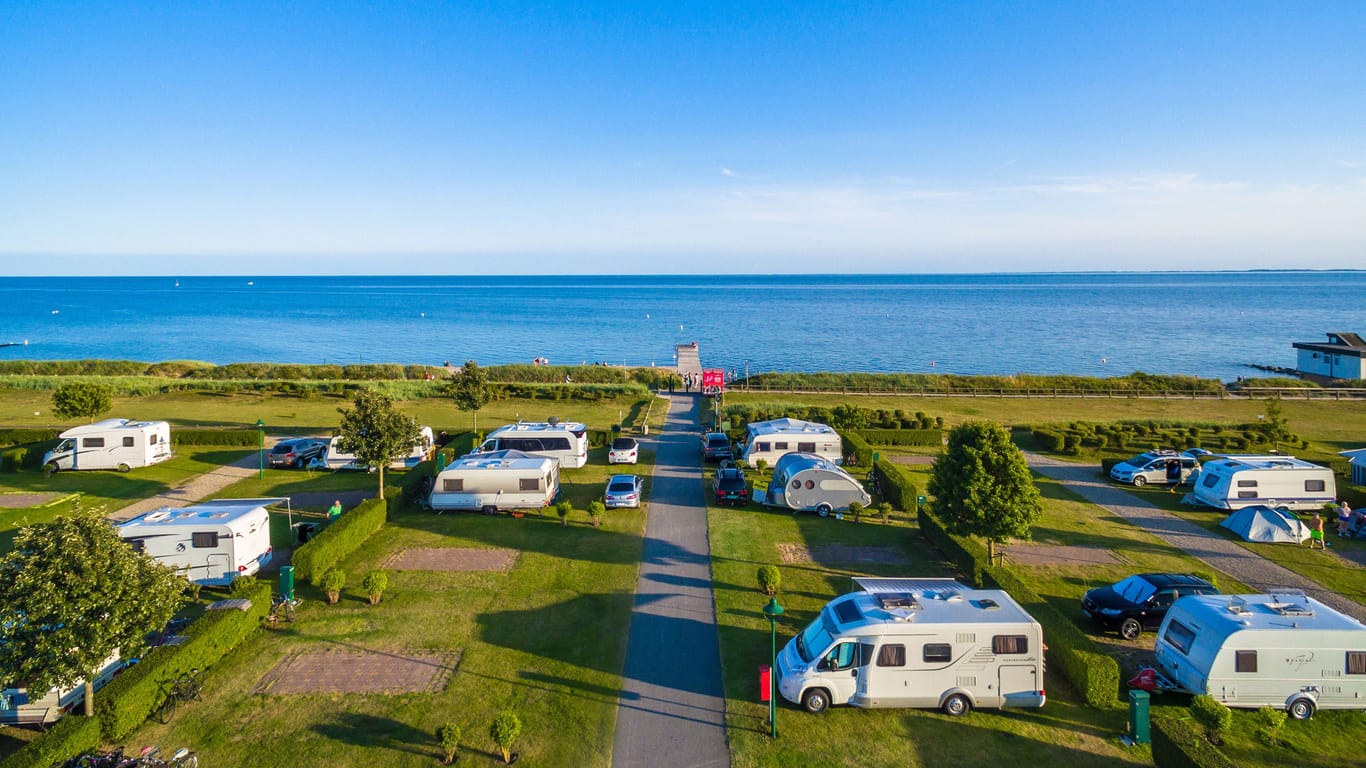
column 1130, row 629
column 816, row 701
column 957, row 705
column 490, row 510
column 823, row 510
column 123, row 467
column 1140, row 481
column 1301, row 708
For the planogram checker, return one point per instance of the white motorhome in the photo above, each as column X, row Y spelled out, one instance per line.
column 20, row 706
column 212, row 542
column 916, row 643
column 499, row 480
column 111, row 444
column 335, row 458
column 1274, row 481
column 770, row 440
column 567, row 442
column 809, row 483
column 1287, row 651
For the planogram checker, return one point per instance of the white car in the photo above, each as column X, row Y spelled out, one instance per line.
column 625, row 450
column 1156, row 467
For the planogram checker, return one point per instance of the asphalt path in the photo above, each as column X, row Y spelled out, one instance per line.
column 671, row 713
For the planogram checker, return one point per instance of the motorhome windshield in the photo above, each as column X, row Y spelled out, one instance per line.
column 1135, row 589
column 814, row 639
column 63, row 446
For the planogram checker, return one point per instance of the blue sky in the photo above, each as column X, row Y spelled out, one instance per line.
column 233, row 137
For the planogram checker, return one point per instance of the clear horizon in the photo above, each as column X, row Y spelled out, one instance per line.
column 594, row 138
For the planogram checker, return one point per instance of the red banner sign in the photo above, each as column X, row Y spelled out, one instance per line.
column 713, row 381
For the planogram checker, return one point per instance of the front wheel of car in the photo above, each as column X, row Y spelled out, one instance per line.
column 1140, row 481
column 816, row 701
column 1130, row 629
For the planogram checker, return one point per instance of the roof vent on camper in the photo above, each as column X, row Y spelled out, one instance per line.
column 894, row 600
column 218, row 514
column 902, row 614
column 1291, row 609
column 986, row 604
column 1237, row 605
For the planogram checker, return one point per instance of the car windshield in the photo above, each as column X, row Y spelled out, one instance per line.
column 814, row 639
column 621, row 486
column 1135, row 589
column 1139, row 460
column 623, row 444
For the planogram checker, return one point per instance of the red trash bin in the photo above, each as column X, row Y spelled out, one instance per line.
column 765, row 683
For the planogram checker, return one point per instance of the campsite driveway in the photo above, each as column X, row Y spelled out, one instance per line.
column 672, row 710
column 1227, row 556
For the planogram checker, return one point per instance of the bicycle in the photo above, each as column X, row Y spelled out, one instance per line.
column 282, row 608
column 183, row 688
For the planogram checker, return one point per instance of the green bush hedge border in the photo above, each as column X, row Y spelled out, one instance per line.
column 345, row 536
column 1180, row 744
column 248, row 438
column 896, row 486
column 924, row 438
column 71, row 736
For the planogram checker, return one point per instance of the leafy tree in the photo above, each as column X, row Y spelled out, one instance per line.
column 377, row 432
column 596, row 509
column 563, row 509
column 1274, row 426
column 470, row 389
column 71, row 593
column 449, row 737
column 504, row 731
column 333, row 581
column 982, row 486
column 374, row 584
column 770, row 579
column 81, row 400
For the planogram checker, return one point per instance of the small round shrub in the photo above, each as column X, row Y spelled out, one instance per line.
column 770, row 579
column 1212, row 714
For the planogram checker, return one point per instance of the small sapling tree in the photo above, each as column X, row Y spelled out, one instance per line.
column 596, row 509
column 885, row 510
column 374, row 584
column 982, row 486
column 82, row 400
column 333, row 581
column 448, row 736
column 504, row 732
column 770, row 579
column 856, row 510
column 1213, row 715
column 470, row 390
column 563, row 509
column 377, row 432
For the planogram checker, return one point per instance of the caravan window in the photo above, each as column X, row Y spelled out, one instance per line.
column 204, row 540
column 806, row 447
column 780, row 446
column 529, row 484
column 1244, row 661
column 1313, row 486
column 1009, row 644
column 1247, row 494
column 456, row 484
column 937, row 652
column 1247, row 483
column 1180, row 637
column 1356, row 662
column 891, row 656
column 138, row 545
column 761, row 447
column 154, row 439
column 128, row 443
column 92, row 442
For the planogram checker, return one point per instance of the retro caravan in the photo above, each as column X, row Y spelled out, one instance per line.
column 1287, row 651
column 806, row 482
column 770, row 440
column 111, row 444
column 500, row 480
column 565, row 442
column 212, row 542
column 1274, row 481
column 930, row 643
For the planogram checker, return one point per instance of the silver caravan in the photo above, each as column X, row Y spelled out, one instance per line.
column 500, row 480
column 916, row 643
column 111, row 444
column 770, row 440
column 1274, row 481
column 566, row 442
column 810, row 483
column 335, row 458
column 1287, row 651
column 212, row 542
column 20, row 706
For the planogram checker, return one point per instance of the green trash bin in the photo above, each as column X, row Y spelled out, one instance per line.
column 287, row 581
column 1138, row 716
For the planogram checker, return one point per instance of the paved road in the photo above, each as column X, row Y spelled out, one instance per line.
column 672, row 711
column 1225, row 555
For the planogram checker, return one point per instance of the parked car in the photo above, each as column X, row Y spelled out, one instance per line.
column 623, row 491
column 297, row 452
column 716, row 446
column 730, row 486
column 1141, row 601
column 624, row 450
column 1155, row 467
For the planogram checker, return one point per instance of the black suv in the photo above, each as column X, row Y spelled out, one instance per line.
column 730, row 486
column 296, row 452
column 1140, row 602
column 716, row 446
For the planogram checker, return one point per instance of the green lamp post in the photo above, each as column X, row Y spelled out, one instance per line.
column 773, row 611
column 260, row 449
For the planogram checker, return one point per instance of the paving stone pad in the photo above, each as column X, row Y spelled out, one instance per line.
column 830, row 554
column 453, row 559
column 26, row 500
column 349, row 671
column 1030, row 553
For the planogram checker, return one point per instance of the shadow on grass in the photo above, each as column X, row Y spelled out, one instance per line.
column 363, row 730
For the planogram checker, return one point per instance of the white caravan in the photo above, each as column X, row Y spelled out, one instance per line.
column 916, row 643
column 335, row 458
column 809, row 483
column 111, row 444
column 20, row 706
column 208, row 543
column 1287, row 651
column 566, row 442
column 770, row 440
column 1273, row 481
column 494, row 481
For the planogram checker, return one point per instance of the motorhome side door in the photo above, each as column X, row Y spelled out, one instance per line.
column 838, row 670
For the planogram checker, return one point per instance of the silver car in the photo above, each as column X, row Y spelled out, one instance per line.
column 623, row 491
column 1155, row 467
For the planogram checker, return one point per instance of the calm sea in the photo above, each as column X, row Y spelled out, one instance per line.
column 1206, row 324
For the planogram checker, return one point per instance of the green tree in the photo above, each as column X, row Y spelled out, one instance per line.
column 81, row 400
column 71, row 593
column 377, row 432
column 982, row 486
column 449, row 737
column 470, row 390
column 506, row 727
column 770, row 579
column 1274, row 426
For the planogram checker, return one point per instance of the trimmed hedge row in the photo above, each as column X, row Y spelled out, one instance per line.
column 133, row 696
column 929, row 438
column 235, row 437
column 340, row 539
column 896, row 486
column 856, row 446
column 1179, row 744
column 71, row 736
column 10, row 437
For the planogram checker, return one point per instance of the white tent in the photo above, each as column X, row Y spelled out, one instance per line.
column 1261, row 523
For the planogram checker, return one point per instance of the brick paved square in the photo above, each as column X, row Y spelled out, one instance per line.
column 350, row 671
column 841, row 554
column 451, row 559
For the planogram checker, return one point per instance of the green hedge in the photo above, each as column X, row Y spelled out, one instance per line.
column 71, row 736
column 896, row 485
column 858, row 448
column 929, row 438
column 28, row 456
column 1049, row 440
column 236, row 437
column 1180, row 744
column 10, row 437
column 133, row 696
column 339, row 539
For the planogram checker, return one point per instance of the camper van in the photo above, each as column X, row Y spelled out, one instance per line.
column 20, row 706
column 809, row 483
column 567, row 442
column 335, row 458
column 1274, row 481
column 212, row 542
column 1287, row 651
column 770, row 440
column 494, row 481
column 111, row 444
column 916, row 643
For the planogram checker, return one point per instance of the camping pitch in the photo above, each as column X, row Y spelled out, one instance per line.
column 1267, row 524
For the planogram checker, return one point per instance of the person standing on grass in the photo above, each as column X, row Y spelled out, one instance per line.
column 1316, row 532
column 335, row 512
